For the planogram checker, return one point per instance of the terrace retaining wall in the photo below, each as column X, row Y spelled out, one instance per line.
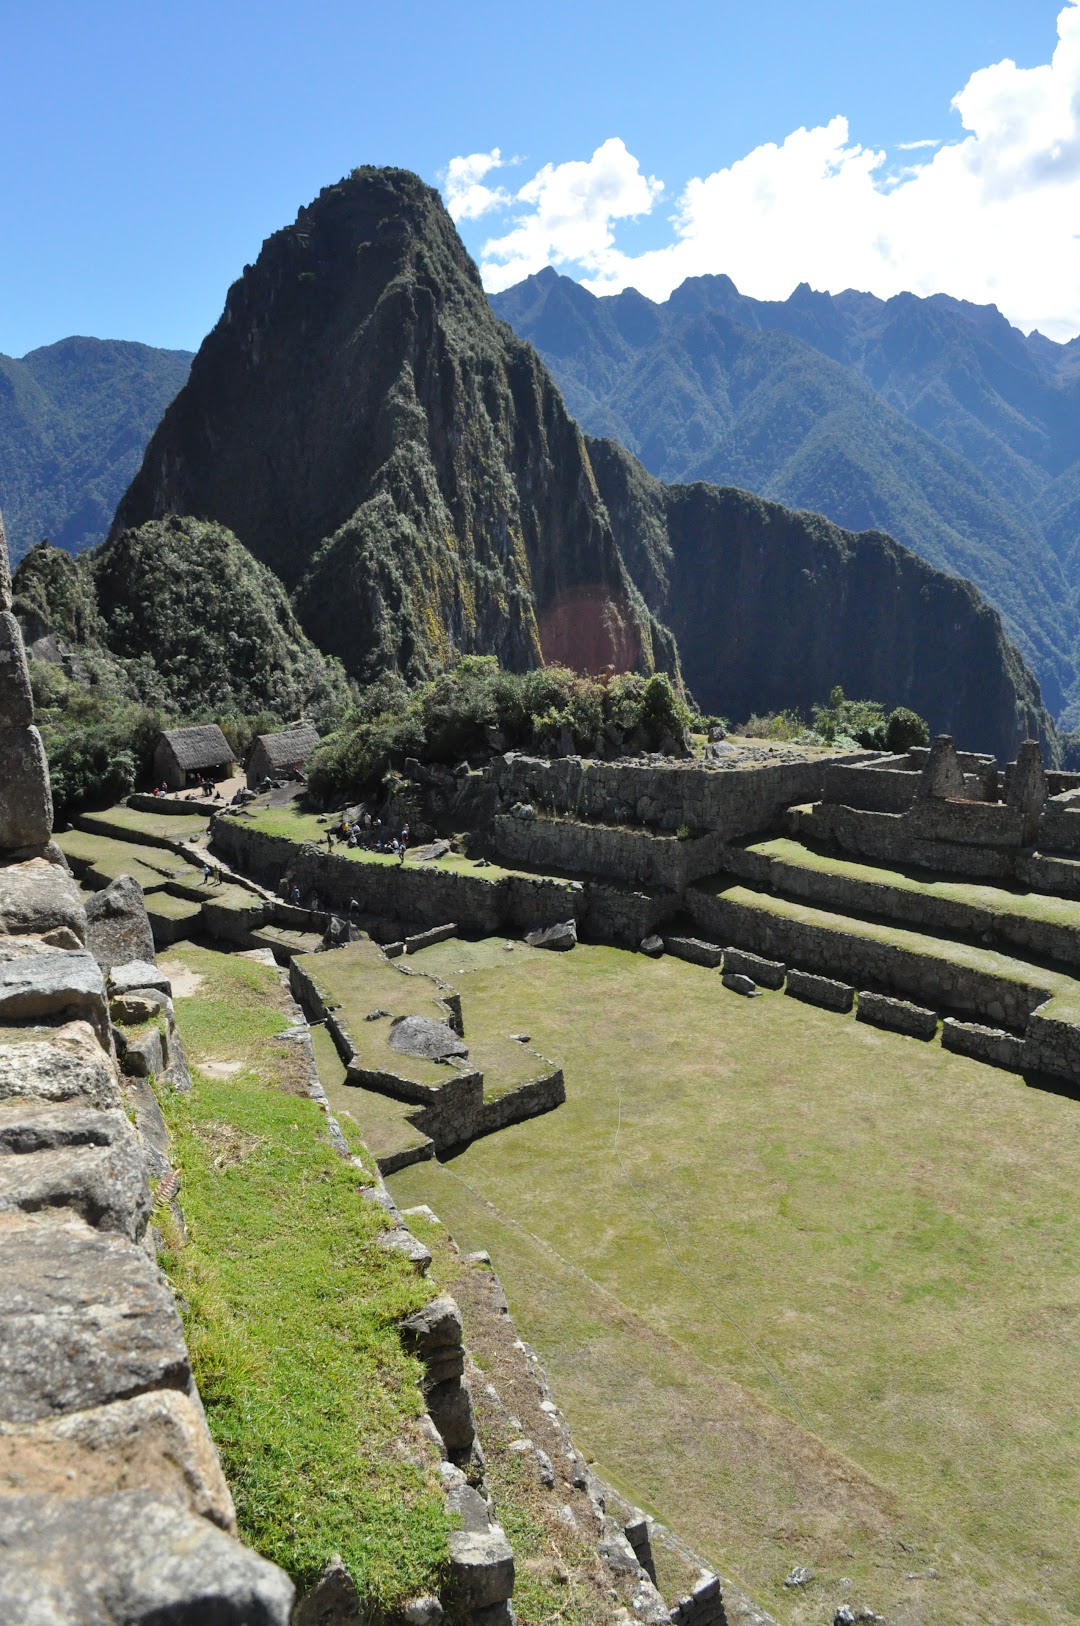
column 636, row 856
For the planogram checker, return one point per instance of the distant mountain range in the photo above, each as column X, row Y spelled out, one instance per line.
column 931, row 419
column 74, row 421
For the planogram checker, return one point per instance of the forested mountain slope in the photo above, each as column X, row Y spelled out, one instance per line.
column 74, row 421
column 365, row 426
column 933, row 420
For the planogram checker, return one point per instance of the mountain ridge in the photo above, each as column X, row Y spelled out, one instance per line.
column 932, row 420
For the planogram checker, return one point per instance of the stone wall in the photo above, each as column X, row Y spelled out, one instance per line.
column 731, row 802
column 636, row 856
column 112, row 1499
column 886, row 836
column 868, row 962
column 922, row 910
column 876, row 787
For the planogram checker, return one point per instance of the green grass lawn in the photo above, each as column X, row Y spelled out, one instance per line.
column 808, row 1290
column 290, row 1307
column 104, row 858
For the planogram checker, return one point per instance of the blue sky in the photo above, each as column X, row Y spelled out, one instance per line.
column 148, row 150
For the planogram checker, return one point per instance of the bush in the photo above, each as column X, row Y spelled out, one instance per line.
column 904, row 729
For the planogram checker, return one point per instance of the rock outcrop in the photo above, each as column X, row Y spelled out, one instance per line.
column 368, row 429
column 112, row 1502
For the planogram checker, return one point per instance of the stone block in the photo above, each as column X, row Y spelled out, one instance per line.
column 39, row 897
column 145, row 1054
column 69, row 1065
column 897, row 1015
column 401, row 1241
column 103, row 1180
column 652, row 946
column 991, row 1045
column 26, row 810
column 85, row 1318
column 694, row 950
column 436, row 934
column 42, row 982
column 132, row 1558
column 823, row 991
column 16, row 700
column 451, row 1408
column 136, row 975
column 766, row 973
column 119, row 930
column 153, row 1442
column 736, row 983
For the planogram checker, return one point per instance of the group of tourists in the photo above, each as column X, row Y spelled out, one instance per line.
column 371, row 835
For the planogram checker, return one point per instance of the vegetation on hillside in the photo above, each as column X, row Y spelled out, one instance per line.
column 848, row 724
column 172, row 623
column 74, row 420
column 935, row 422
column 476, row 707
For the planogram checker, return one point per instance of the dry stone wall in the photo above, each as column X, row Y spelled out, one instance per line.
column 112, row 1501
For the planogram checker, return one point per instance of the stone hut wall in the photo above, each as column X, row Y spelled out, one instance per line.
column 636, row 856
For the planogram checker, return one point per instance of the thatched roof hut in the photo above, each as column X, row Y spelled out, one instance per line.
column 275, row 755
column 185, row 755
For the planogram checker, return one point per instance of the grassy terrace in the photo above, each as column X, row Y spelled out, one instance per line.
column 290, row 1307
column 893, row 1227
column 357, row 979
column 104, row 858
column 996, row 899
column 1014, row 968
column 380, row 1119
column 297, row 826
column 128, row 823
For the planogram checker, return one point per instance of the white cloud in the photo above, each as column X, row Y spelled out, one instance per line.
column 467, row 198
column 991, row 217
column 913, row 146
column 568, row 213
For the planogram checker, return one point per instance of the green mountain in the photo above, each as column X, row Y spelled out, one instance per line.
column 930, row 419
column 74, row 421
column 364, row 425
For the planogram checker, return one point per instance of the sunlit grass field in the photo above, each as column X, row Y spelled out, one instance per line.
column 807, row 1290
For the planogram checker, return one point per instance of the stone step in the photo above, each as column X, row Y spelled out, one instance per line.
column 934, row 971
column 994, row 916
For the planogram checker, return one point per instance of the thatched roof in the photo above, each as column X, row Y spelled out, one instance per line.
column 195, row 748
column 291, row 745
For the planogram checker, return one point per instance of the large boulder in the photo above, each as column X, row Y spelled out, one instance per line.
column 68, row 1066
column 561, row 936
column 87, row 1317
column 135, row 1558
column 16, row 700
column 427, row 1038
column 39, row 897
column 37, row 982
column 118, row 927
column 26, row 810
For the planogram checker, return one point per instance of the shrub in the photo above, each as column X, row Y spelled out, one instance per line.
column 904, row 729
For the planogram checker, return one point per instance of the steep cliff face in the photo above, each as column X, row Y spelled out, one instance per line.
column 367, row 428
column 773, row 607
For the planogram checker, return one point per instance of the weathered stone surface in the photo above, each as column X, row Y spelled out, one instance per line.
column 28, row 1124
column 451, row 1408
column 943, row 775
column 433, row 1334
column 824, row 991
column 1027, row 782
column 16, row 700
column 69, row 1065
column 133, row 1559
column 46, row 982
column 652, row 946
column 128, row 976
column 332, row 1601
column 424, row 1036
column 561, row 936
column 153, row 1442
column 767, row 973
column 39, row 897
column 5, row 570
column 481, row 1567
column 145, row 1054
column 26, row 810
column 85, row 1318
column 992, row 1045
column 695, row 950
column 105, row 1185
column 400, row 1240
column 119, row 930
column 897, row 1015
column 142, row 1006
